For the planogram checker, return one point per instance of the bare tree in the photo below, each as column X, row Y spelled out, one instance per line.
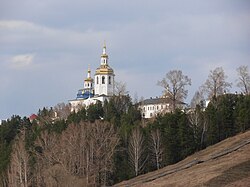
column 105, row 140
column 156, row 147
column 19, row 169
column 197, row 99
column 136, row 151
column 216, row 83
column 82, row 151
column 198, row 125
column 243, row 80
column 174, row 84
column 48, row 154
column 62, row 110
column 120, row 88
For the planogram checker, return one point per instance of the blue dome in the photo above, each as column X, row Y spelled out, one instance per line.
column 84, row 95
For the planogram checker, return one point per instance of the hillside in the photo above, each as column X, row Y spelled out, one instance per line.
column 224, row 164
column 94, row 152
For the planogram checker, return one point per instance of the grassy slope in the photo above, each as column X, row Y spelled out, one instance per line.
column 224, row 164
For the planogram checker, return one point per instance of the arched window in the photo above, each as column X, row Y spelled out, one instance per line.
column 97, row 80
column 103, row 80
column 109, row 79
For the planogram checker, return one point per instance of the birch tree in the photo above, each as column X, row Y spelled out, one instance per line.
column 243, row 81
column 156, row 147
column 174, row 84
column 216, row 83
column 198, row 124
column 19, row 169
column 136, row 151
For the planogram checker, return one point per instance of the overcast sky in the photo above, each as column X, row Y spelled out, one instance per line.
column 46, row 45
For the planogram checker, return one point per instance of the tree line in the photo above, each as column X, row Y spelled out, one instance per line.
column 107, row 143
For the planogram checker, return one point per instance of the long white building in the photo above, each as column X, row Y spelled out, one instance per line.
column 152, row 107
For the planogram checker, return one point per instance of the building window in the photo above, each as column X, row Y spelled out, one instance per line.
column 97, row 80
column 157, row 107
column 109, row 79
column 103, row 80
column 151, row 115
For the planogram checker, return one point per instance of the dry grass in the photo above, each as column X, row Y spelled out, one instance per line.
column 231, row 169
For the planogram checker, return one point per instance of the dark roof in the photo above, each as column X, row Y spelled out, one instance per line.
column 153, row 101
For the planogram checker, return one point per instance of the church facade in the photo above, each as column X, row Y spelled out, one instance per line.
column 99, row 88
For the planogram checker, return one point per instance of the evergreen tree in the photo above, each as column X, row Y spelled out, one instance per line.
column 242, row 112
column 185, row 135
column 226, row 107
column 171, row 141
column 8, row 131
column 211, row 117
column 95, row 112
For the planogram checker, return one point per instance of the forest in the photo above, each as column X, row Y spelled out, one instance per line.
column 104, row 144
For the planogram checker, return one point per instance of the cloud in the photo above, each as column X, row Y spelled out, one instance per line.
column 23, row 61
column 15, row 24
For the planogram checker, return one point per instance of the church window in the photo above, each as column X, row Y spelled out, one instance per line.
column 103, row 80
column 97, row 80
column 109, row 79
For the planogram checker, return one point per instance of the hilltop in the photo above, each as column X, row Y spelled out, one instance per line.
column 224, row 164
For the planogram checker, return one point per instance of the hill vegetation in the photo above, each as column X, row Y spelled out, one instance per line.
column 226, row 163
column 84, row 150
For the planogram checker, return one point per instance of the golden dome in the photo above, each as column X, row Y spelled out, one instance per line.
column 104, row 70
column 104, row 55
column 89, row 79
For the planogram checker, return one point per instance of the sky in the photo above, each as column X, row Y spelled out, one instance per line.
column 46, row 46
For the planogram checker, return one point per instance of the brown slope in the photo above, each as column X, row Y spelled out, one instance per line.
column 224, row 164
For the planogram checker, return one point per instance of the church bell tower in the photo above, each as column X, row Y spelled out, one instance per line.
column 104, row 76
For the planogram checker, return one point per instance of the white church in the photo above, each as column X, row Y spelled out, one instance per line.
column 100, row 88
